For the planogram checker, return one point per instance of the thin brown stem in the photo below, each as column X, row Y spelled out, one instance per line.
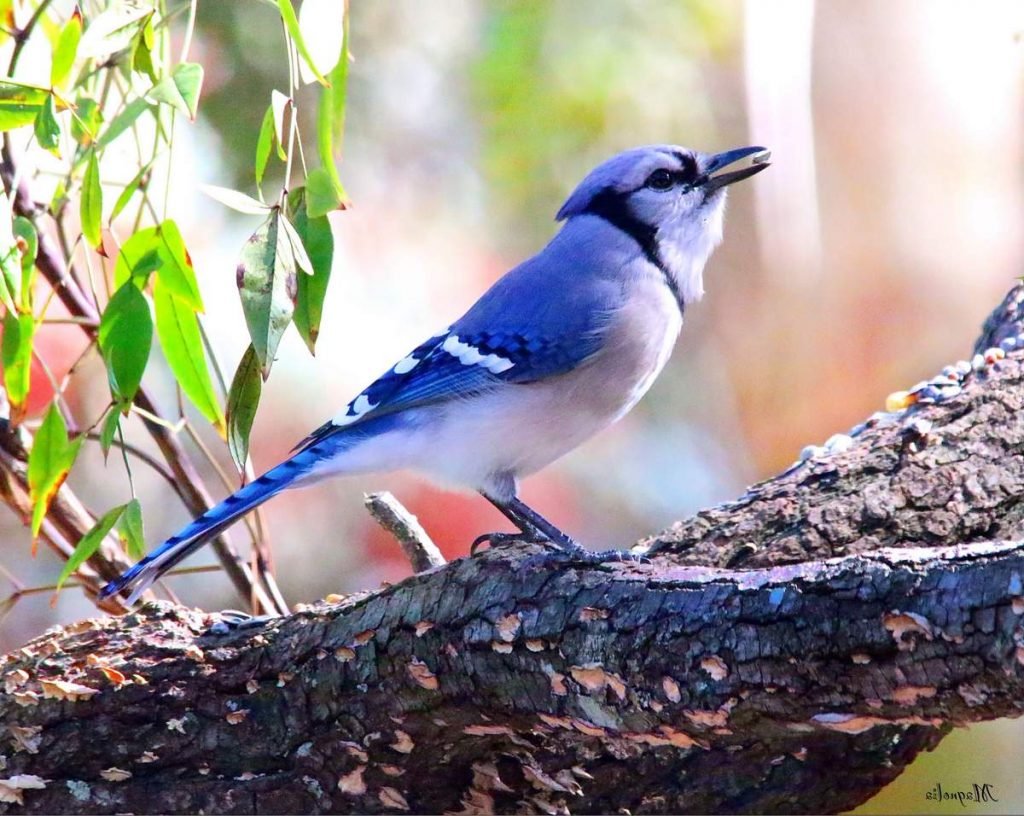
column 22, row 36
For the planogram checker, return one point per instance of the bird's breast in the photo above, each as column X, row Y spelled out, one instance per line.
column 639, row 341
column 523, row 428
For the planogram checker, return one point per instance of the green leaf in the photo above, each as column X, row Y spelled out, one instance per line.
column 49, row 461
column 279, row 103
column 10, row 258
column 16, row 353
column 178, row 331
column 243, row 400
column 181, row 89
column 264, row 145
column 47, row 128
column 322, row 23
column 60, row 195
column 298, row 251
column 27, row 241
column 124, row 120
column 148, row 33
column 317, row 238
column 66, row 49
column 85, row 124
column 114, row 29
column 176, row 271
column 111, row 423
column 91, row 204
column 291, row 22
column 321, row 195
column 19, row 104
column 142, row 51
column 125, row 336
column 89, row 543
column 26, row 231
column 159, row 249
column 138, row 257
column 266, row 277
column 237, row 201
column 330, row 120
column 132, row 531
column 188, row 76
column 130, row 189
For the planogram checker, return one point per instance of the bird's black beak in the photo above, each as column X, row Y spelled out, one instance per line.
column 759, row 162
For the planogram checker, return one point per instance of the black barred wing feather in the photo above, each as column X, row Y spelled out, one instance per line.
column 381, row 388
column 456, row 366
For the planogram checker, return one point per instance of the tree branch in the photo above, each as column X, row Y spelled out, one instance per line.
column 880, row 603
column 388, row 512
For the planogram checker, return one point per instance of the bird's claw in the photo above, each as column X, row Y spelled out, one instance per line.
column 567, row 549
column 506, row 539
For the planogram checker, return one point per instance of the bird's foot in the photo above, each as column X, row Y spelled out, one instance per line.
column 507, row 539
column 233, row 620
column 581, row 555
column 561, row 548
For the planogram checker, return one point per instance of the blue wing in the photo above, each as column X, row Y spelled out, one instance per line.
column 458, row 366
column 540, row 320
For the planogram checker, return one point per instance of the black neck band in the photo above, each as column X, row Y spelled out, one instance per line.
column 613, row 208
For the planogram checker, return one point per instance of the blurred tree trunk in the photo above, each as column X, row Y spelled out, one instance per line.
column 791, row 651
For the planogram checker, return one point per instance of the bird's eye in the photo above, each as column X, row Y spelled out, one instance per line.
column 660, row 180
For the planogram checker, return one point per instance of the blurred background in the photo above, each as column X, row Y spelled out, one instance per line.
column 863, row 261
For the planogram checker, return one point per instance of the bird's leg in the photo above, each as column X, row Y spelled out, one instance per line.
column 538, row 523
column 527, row 532
column 532, row 525
column 535, row 528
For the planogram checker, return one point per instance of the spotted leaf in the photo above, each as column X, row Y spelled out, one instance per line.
column 19, row 104
column 268, row 285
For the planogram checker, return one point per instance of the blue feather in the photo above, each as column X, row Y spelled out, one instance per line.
column 222, row 515
column 558, row 340
column 209, row 524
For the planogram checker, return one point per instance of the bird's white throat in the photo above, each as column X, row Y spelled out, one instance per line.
column 685, row 243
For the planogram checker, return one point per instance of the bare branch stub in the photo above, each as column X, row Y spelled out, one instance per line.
column 882, row 605
column 417, row 545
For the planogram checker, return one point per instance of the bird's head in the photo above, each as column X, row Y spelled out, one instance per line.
column 670, row 199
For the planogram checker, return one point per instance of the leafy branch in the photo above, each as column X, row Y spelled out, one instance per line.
column 123, row 274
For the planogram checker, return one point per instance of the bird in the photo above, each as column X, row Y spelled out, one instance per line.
column 557, row 349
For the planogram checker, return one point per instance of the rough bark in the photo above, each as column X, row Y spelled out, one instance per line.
column 873, row 600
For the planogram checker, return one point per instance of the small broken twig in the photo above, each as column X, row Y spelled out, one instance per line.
column 389, row 513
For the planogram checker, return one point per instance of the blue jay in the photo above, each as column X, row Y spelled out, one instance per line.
column 556, row 350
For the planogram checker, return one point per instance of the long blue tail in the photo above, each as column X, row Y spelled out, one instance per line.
column 209, row 524
column 328, row 444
